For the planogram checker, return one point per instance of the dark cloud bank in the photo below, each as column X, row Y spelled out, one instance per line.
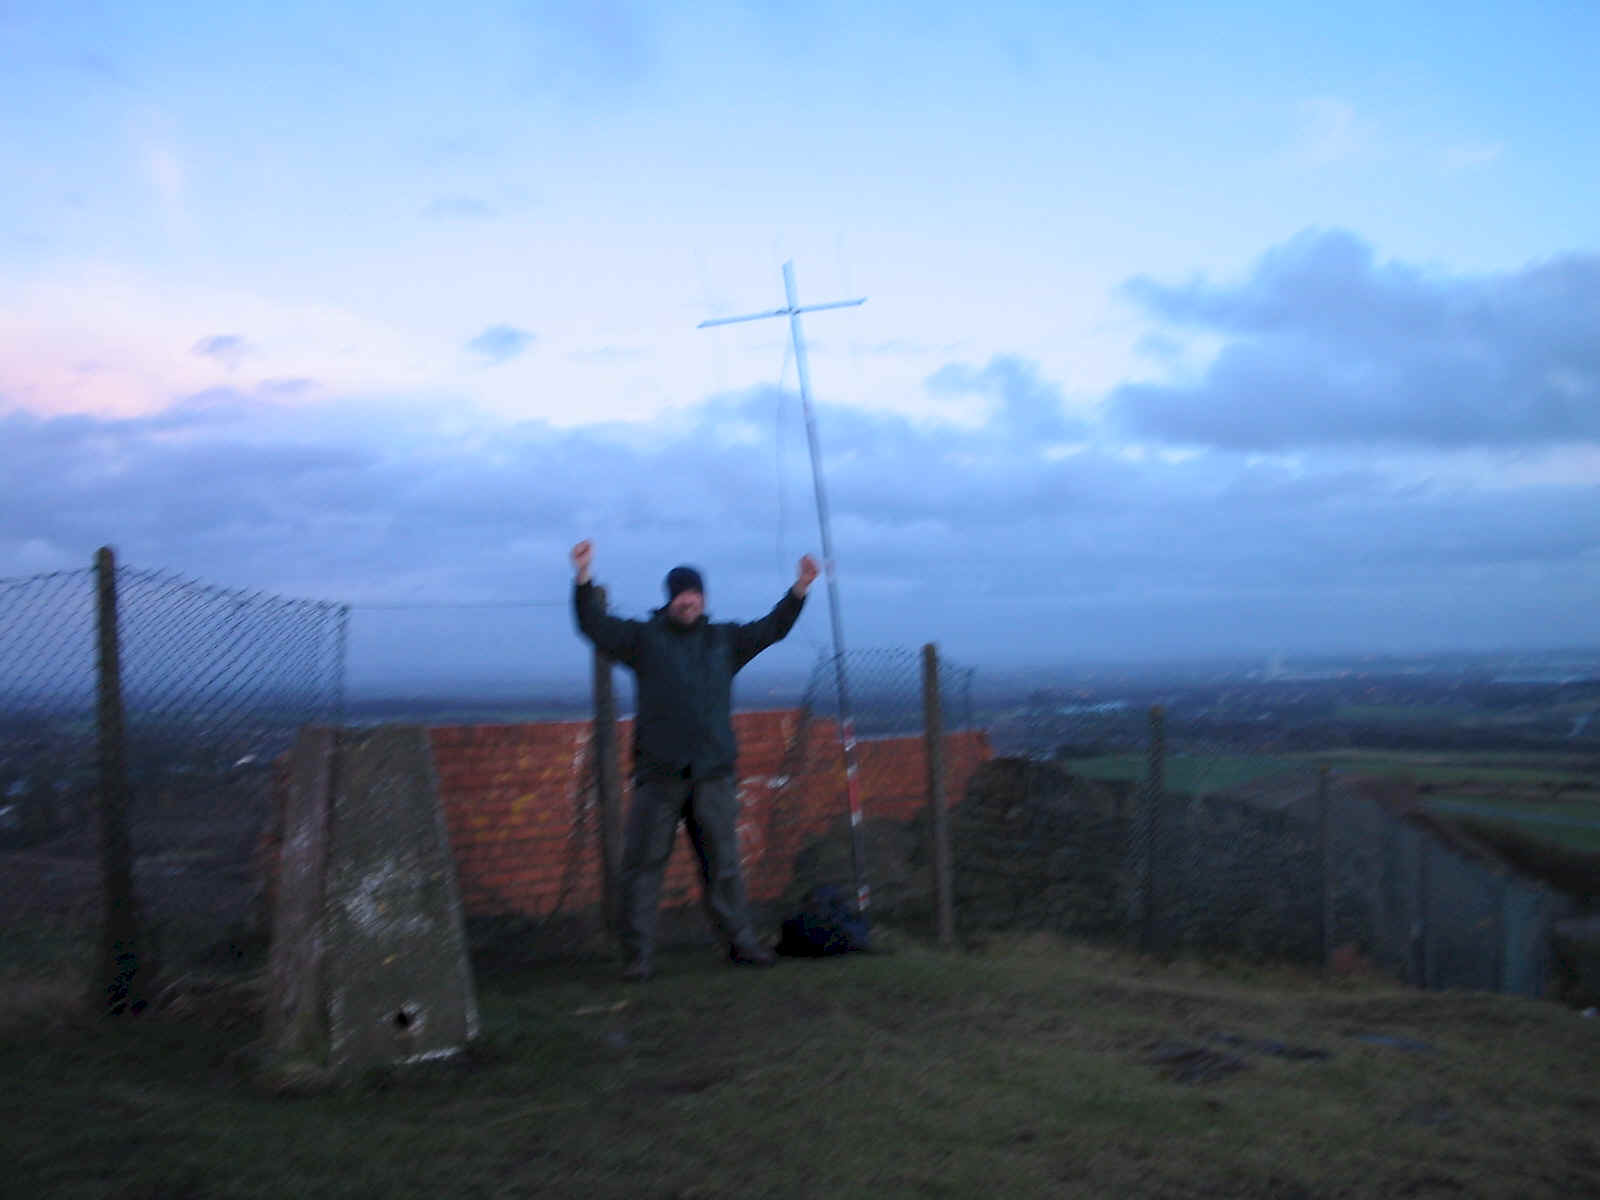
column 1325, row 346
column 1039, row 535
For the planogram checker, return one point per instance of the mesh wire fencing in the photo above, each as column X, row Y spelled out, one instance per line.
column 1227, row 843
column 889, row 707
column 47, row 759
column 214, row 683
column 1183, row 833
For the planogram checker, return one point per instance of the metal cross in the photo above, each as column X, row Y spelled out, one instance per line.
column 847, row 732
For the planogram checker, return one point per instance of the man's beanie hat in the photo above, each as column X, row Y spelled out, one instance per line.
column 683, row 579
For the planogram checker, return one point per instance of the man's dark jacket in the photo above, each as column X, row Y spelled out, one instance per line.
column 683, row 680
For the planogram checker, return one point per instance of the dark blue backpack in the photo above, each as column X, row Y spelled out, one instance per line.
column 825, row 925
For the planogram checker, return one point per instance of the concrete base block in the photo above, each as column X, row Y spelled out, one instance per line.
column 368, row 964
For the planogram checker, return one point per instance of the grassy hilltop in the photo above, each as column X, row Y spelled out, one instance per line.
column 1026, row 1067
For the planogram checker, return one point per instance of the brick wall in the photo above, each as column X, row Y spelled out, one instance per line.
column 524, row 827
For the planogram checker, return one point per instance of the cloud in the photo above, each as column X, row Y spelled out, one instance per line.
column 458, row 208
column 1330, row 133
column 975, row 537
column 103, row 68
column 1322, row 345
column 610, row 355
column 151, row 341
column 500, row 343
column 902, row 348
column 1026, row 405
column 227, row 348
column 590, row 50
column 166, row 176
column 1020, row 532
column 286, row 388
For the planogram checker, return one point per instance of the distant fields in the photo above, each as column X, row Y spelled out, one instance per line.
column 1554, row 797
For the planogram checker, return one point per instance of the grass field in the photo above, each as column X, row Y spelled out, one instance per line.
column 1576, row 826
column 1028, row 1068
column 1549, row 797
column 1188, row 773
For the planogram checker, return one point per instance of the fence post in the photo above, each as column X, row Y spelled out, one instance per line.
column 341, row 659
column 1326, row 852
column 1154, row 786
column 1384, row 899
column 1422, row 935
column 1502, row 926
column 608, row 793
column 933, row 741
column 117, row 967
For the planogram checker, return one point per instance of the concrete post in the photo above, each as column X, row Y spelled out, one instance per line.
column 368, row 963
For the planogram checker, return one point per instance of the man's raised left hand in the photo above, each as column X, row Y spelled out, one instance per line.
column 805, row 575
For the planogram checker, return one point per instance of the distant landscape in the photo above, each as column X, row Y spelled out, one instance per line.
column 1508, row 741
column 1513, row 736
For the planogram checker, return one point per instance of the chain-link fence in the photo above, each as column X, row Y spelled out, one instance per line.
column 49, row 884
column 1203, row 835
column 213, row 684
column 896, row 697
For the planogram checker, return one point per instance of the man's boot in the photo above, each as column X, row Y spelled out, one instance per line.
column 747, row 952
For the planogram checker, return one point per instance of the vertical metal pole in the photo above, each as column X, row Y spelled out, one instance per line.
column 112, row 984
column 341, row 660
column 847, row 731
column 608, row 794
column 1384, row 908
column 1502, row 926
column 1327, row 866
column 933, row 735
column 1424, row 933
column 1154, row 786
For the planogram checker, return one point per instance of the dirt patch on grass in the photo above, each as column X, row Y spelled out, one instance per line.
column 1181, row 1062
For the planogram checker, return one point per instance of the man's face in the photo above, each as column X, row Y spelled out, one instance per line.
column 685, row 608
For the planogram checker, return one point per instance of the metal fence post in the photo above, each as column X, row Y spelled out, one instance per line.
column 341, row 658
column 607, row 789
column 117, row 970
column 1326, row 852
column 933, row 740
column 1385, row 905
column 1502, row 927
column 1422, row 935
column 1154, row 786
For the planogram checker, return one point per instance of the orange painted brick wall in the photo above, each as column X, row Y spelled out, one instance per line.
column 524, row 825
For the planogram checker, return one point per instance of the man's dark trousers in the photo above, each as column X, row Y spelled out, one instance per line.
column 709, row 809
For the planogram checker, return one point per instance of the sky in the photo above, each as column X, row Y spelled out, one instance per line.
column 1190, row 329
